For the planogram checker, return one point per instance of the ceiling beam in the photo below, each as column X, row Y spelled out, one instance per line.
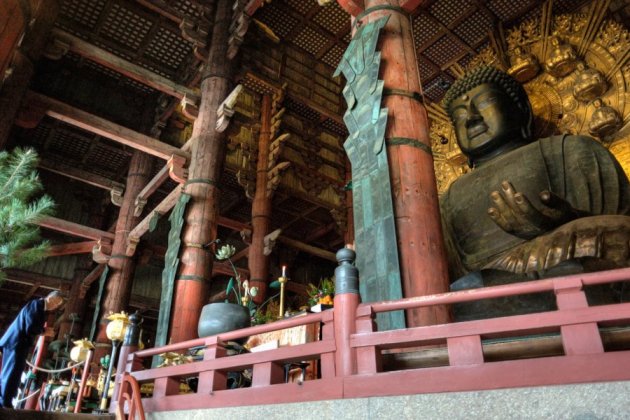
column 89, row 122
column 74, row 229
column 30, row 278
column 71, row 248
column 309, row 249
column 122, row 66
column 86, row 177
column 141, row 228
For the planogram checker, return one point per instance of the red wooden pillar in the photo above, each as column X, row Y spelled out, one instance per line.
column 423, row 264
column 207, row 155
column 75, row 305
column 261, row 207
column 27, row 23
column 122, row 267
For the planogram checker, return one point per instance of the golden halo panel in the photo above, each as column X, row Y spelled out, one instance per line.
column 575, row 70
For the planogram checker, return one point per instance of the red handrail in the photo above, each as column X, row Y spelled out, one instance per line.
column 129, row 391
column 536, row 286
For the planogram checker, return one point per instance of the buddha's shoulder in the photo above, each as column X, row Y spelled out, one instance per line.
column 573, row 140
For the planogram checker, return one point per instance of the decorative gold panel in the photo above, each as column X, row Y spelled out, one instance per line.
column 575, row 70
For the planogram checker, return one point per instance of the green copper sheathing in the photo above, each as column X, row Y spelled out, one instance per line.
column 375, row 229
column 171, row 262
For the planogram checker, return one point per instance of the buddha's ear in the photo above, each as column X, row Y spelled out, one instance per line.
column 528, row 121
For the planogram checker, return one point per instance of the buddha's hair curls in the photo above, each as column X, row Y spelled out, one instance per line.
column 483, row 75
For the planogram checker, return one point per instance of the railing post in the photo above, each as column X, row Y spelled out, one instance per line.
column 368, row 358
column 464, row 350
column 346, row 303
column 578, row 338
column 212, row 380
column 129, row 345
column 327, row 360
column 84, row 377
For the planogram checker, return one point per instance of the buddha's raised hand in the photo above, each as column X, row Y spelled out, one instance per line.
column 513, row 212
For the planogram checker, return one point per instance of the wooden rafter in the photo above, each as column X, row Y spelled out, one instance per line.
column 120, row 65
column 74, row 116
column 74, row 229
column 89, row 178
column 72, row 248
column 30, row 278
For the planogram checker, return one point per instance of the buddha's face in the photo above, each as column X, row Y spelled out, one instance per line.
column 485, row 118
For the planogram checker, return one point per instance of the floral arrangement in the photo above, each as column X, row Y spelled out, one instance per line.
column 241, row 291
column 322, row 293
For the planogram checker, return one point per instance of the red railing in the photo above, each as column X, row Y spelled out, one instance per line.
column 351, row 351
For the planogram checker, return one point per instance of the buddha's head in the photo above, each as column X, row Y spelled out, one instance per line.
column 490, row 112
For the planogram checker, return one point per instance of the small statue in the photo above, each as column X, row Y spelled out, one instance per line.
column 589, row 84
column 528, row 205
column 605, row 121
column 562, row 59
column 524, row 65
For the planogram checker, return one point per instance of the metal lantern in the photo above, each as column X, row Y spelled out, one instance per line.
column 80, row 350
column 117, row 326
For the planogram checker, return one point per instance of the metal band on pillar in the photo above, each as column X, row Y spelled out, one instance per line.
column 202, row 181
column 405, row 141
column 416, row 96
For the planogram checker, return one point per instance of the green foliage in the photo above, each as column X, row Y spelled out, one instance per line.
column 325, row 288
column 20, row 209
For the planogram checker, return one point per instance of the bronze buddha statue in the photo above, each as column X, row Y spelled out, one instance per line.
column 528, row 205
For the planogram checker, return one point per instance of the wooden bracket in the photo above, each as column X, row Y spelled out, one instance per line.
column 270, row 241
column 274, row 150
column 102, row 251
column 238, row 29
column 139, row 206
column 246, row 236
column 56, row 48
column 116, row 194
column 132, row 244
column 226, row 109
column 190, row 107
column 195, row 32
column 176, row 169
column 273, row 177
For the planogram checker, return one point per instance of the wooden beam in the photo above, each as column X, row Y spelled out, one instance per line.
column 71, row 248
column 74, row 229
column 240, row 254
column 141, row 228
column 309, row 249
column 122, row 66
column 223, row 267
column 34, row 288
column 317, row 107
column 354, row 7
column 101, row 126
column 320, row 231
column 68, row 171
column 30, row 278
column 90, row 278
column 232, row 224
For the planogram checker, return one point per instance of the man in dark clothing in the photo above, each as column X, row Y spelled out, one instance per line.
column 17, row 340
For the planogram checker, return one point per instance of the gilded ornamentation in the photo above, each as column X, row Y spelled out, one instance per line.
column 604, row 122
column 592, row 55
column 562, row 58
column 524, row 66
column 589, row 84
